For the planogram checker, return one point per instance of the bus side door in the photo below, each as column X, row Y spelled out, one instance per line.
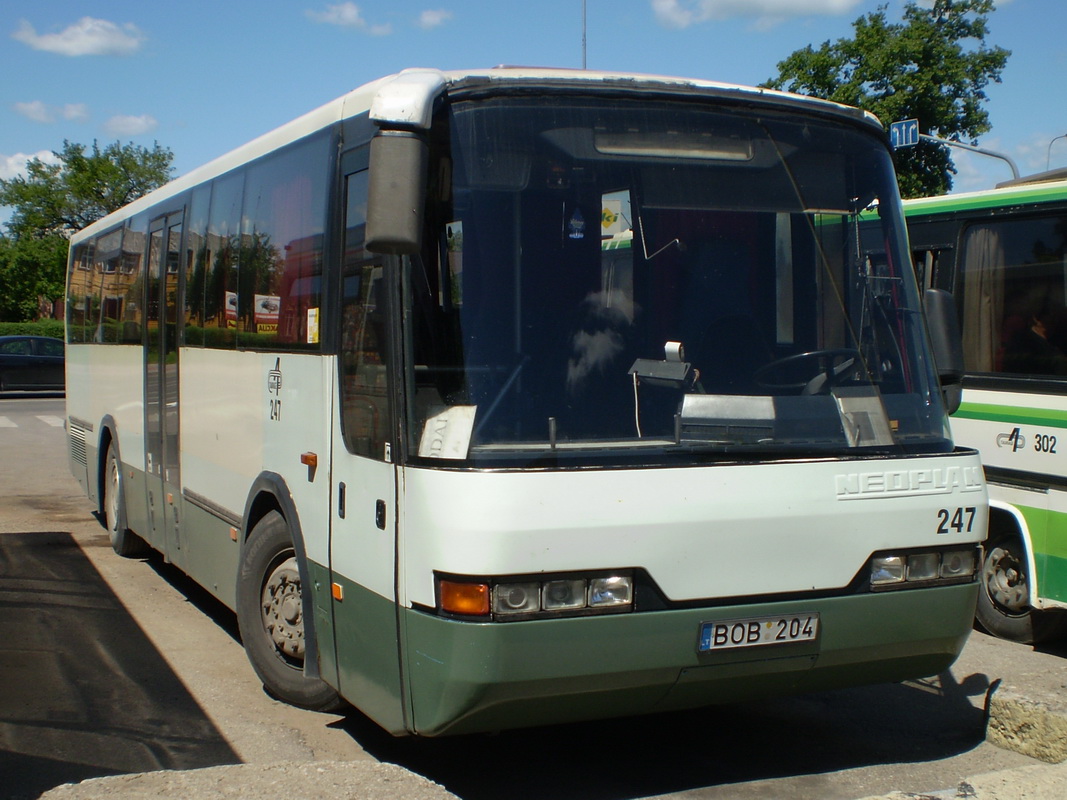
column 363, row 515
column 162, row 462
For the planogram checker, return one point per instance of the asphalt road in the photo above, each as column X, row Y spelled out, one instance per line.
column 110, row 666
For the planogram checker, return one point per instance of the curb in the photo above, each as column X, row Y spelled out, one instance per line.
column 327, row 780
column 1030, row 727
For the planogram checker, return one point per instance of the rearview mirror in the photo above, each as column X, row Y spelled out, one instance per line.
column 947, row 343
column 398, row 163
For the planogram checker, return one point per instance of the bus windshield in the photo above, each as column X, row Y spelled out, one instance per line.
column 609, row 280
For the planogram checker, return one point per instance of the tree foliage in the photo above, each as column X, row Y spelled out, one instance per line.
column 82, row 187
column 30, row 269
column 55, row 199
column 933, row 66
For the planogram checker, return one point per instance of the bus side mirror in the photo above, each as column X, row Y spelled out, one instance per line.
column 947, row 342
column 398, row 162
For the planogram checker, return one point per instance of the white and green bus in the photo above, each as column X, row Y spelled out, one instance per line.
column 522, row 396
column 1003, row 253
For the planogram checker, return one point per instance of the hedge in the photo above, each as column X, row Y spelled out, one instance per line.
column 44, row 327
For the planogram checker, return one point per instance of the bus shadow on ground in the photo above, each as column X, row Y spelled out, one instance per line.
column 83, row 692
column 711, row 751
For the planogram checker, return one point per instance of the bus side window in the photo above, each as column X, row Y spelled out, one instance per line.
column 1014, row 304
column 366, row 417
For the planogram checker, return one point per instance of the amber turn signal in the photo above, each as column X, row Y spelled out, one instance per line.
column 468, row 599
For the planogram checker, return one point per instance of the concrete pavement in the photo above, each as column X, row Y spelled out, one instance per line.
column 1026, row 710
column 1026, row 707
column 323, row 780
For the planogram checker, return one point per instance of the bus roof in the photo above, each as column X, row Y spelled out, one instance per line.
column 406, row 100
column 1019, row 193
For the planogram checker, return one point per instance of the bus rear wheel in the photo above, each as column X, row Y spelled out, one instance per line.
column 1003, row 599
column 271, row 620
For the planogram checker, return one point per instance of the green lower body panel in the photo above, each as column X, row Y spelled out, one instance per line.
column 322, row 602
column 209, row 554
column 1053, row 572
column 1048, row 538
column 465, row 677
column 362, row 630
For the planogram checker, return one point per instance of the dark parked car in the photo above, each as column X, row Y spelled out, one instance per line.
column 31, row 362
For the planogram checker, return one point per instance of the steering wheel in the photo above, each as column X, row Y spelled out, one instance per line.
column 829, row 366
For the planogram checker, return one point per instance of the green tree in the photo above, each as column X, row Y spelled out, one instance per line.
column 30, row 268
column 53, row 200
column 82, row 187
column 934, row 67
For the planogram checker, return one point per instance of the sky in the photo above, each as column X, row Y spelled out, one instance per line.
column 202, row 78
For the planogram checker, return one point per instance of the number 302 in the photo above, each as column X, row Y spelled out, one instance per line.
column 960, row 520
column 1045, row 444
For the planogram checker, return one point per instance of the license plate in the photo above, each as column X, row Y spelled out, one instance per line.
column 731, row 634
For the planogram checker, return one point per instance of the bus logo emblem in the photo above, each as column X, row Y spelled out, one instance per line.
column 908, row 482
column 274, row 378
column 1015, row 440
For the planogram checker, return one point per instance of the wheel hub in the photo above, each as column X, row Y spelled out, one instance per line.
column 282, row 607
column 1006, row 580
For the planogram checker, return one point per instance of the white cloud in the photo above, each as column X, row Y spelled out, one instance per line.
column 75, row 112
column 764, row 13
column 131, row 126
column 40, row 112
column 434, row 18
column 35, row 110
column 12, row 166
column 86, row 37
column 344, row 15
column 1042, row 151
column 348, row 15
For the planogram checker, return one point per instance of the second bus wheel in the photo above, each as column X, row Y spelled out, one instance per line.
column 1004, row 609
column 271, row 620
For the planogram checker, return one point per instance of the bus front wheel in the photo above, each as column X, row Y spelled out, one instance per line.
column 123, row 541
column 270, row 617
column 1004, row 609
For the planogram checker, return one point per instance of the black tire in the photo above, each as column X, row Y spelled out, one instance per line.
column 271, row 620
column 123, row 541
column 1003, row 610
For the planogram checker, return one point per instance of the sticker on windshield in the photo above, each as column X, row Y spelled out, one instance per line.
column 447, row 432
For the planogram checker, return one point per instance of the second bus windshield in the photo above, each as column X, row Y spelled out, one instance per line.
column 621, row 279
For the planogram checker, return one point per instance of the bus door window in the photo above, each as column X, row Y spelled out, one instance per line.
column 365, row 406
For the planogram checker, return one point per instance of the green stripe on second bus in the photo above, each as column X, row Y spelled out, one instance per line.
column 1013, row 415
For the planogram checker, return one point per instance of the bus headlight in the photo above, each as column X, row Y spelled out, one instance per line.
column 887, row 569
column 923, row 568
column 514, row 598
column 614, row 591
column 958, row 563
column 560, row 595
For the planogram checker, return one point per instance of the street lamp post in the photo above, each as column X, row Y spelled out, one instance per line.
column 583, row 34
column 1048, row 158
